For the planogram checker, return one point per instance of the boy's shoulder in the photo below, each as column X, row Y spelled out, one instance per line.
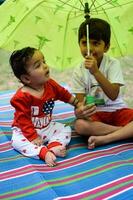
column 18, row 92
column 52, row 83
column 79, row 66
column 109, row 61
column 109, row 58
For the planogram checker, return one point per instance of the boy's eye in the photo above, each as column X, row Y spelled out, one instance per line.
column 84, row 42
column 96, row 43
column 37, row 65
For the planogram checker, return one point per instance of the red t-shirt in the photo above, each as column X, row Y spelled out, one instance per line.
column 33, row 113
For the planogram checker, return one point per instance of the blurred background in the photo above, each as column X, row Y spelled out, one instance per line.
column 24, row 17
column 9, row 82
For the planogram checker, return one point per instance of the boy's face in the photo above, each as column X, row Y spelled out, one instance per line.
column 97, row 48
column 37, row 69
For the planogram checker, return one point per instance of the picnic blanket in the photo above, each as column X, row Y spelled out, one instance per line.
column 105, row 172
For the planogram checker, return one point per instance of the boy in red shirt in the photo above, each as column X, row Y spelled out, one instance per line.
column 34, row 103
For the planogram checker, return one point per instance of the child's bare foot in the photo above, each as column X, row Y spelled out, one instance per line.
column 59, row 151
column 50, row 159
column 94, row 141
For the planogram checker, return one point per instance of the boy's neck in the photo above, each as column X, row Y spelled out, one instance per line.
column 99, row 61
column 36, row 91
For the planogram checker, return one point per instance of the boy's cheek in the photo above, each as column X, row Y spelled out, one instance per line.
column 84, row 53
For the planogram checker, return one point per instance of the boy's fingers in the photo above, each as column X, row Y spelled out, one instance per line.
column 90, row 112
column 84, row 100
column 51, row 163
column 89, row 108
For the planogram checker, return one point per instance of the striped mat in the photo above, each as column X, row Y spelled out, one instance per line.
column 103, row 173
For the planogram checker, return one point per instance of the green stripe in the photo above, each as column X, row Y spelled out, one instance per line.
column 18, row 157
column 26, row 188
column 86, row 176
column 65, row 183
column 98, row 194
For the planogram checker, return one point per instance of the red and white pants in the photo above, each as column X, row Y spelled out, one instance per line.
column 55, row 132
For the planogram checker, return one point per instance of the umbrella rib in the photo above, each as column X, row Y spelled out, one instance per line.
column 81, row 3
column 93, row 4
column 66, row 3
column 121, row 4
column 112, row 31
column 101, row 6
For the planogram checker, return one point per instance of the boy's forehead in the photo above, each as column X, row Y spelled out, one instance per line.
column 37, row 56
column 38, row 53
column 84, row 39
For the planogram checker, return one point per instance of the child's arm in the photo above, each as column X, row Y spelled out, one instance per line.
column 80, row 97
column 23, row 116
column 110, row 89
column 82, row 110
column 50, row 159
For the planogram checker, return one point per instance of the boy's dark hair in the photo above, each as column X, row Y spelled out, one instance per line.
column 99, row 29
column 18, row 60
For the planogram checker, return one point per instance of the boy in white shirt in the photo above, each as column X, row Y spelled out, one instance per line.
column 101, row 77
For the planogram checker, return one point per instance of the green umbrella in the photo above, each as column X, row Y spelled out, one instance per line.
column 51, row 26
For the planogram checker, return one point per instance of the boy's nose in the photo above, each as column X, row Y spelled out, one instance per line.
column 91, row 49
column 45, row 66
column 86, row 49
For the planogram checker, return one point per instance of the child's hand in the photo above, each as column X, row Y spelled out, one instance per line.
column 38, row 141
column 91, row 64
column 85, row 111
column 50, row 159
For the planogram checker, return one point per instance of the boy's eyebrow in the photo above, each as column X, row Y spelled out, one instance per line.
column 36, row 62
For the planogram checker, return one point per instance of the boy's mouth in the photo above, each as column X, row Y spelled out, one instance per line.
column 85, row 54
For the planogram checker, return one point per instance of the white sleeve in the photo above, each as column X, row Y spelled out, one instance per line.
column 78, row 84
column 115, row 73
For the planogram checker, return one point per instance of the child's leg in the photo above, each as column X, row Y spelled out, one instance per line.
column 59, row 138
column 88, row 128
column 100, row 124
column 25, row 147
column 123, row 133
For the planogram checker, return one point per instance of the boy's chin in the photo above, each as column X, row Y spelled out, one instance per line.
column 47, row 78
column 47, row 75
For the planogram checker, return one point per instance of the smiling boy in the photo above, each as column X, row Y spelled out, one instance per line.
column 100, row 76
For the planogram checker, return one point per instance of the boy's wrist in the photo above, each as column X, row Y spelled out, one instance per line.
column 75, row 103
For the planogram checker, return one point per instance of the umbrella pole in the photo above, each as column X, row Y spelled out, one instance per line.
column 87, row 17
column 88, row 44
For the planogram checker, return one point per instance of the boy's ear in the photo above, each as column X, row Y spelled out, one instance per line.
column 106, row 48
column 25, row 78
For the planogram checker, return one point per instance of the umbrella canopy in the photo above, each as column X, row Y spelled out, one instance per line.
column 51, row 26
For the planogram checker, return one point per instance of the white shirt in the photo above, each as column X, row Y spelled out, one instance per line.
column 84, row 82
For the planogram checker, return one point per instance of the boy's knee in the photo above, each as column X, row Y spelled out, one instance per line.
column 79, row 125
